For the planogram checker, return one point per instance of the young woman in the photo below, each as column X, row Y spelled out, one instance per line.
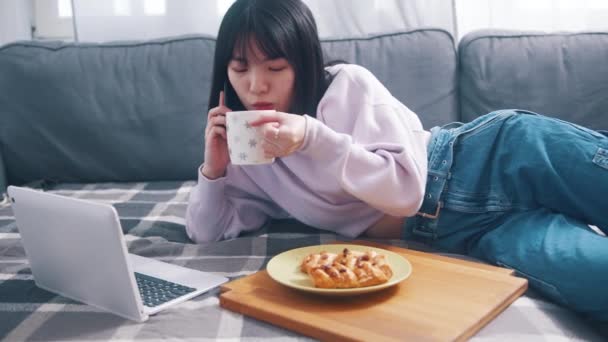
column 513, row 188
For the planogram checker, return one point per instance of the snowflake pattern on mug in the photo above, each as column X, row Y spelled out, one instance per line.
column 249, row 151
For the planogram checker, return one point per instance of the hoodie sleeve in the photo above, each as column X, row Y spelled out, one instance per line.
column 372, row 143
column 225, row 207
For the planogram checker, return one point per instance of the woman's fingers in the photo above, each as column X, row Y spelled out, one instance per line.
column 271, row 150
column 221, row 109
column 272, row 131
column 217, row 116
column 217, row 121
column 281, row 140
column 217, row 131
column 264, row 118
column 217, row 111
column 276, row 141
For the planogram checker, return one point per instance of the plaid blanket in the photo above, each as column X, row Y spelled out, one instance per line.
column 152, row 217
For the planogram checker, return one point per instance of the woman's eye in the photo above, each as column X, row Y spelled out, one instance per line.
column 276, row 69
column 239, row 69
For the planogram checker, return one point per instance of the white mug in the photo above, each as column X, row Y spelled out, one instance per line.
column 245, row 141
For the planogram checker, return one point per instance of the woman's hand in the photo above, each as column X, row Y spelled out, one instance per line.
column 216, row 141
column 283, row 133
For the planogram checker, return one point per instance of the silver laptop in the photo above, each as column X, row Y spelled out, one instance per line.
column 76, row 248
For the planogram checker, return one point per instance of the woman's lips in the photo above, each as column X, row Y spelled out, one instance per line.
column 263, row 106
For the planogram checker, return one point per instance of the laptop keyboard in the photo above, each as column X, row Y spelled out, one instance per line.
column 155, row 291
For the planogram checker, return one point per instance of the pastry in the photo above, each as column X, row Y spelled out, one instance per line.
column 349, row 269
column 317, row 260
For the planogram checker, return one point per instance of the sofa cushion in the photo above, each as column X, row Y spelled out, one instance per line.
column 418, row 67
column 123, row 111
column 562, row 75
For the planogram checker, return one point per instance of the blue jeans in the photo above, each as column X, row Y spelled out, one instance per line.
column 518, row 189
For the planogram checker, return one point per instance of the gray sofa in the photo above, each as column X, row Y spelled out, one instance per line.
column 123, row 123
column 135, row 111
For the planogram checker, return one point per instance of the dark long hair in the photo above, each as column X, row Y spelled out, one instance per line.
column 281, row 29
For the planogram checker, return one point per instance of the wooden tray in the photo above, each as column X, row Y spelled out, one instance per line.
column 445, row 299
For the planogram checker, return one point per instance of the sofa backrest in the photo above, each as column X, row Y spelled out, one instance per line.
column 136, row 111
column 104, row 112
column 564, row 75
column 418, row 67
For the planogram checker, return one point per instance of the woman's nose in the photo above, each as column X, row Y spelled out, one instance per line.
column 258, row 83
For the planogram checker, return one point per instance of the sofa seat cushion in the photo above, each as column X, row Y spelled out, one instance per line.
column 152, row 217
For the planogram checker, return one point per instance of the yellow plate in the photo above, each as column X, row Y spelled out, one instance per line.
column 285, row 269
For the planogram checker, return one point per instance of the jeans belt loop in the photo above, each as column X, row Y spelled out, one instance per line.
column 427, row 234
column 432, row 216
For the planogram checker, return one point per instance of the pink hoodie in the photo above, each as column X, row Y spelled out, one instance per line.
column 363, row 156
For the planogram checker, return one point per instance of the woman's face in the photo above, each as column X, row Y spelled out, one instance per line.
column 259, row 82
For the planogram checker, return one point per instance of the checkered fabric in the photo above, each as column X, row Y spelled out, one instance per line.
column 152, row 217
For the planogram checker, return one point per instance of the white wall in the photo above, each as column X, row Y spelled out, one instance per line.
column 15, row 20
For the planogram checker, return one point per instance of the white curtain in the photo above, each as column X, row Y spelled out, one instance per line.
column 337, row 18
column 53, row 19
column 107, row 20
column 537, row 15
column 15, row 20
column 145, row 19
